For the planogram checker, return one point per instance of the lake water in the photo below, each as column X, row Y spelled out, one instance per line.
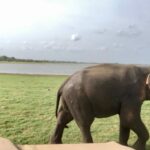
column 42, row 68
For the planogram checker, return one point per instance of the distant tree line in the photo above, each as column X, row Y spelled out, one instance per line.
column 13, row 59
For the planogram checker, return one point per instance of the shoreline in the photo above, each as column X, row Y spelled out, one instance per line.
column 45, row 62
column 26, row 74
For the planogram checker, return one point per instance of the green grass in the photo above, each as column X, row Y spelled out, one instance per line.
column 27, row 112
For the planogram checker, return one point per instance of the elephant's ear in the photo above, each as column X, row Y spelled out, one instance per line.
column 148, row 80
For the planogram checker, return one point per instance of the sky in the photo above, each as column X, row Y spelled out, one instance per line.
column 104, row 31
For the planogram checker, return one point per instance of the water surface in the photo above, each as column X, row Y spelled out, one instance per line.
column 42, row 68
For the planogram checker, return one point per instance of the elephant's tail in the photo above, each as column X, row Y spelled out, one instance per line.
column 58, row 100
column 59, row 93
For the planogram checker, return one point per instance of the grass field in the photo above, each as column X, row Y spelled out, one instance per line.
column 27, row 106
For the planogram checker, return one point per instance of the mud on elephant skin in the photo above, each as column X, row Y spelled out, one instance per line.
column 102, row 91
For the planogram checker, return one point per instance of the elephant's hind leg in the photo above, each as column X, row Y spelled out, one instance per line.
column 86, row 133
column 63, row 118
column 83, row 116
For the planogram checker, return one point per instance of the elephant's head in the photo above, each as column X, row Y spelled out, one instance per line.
column 148, row 87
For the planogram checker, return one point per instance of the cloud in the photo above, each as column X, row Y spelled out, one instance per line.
column 117, row 45
column 101, row 31
column 25, row 42
column 47, row 44
column 75, row 37
column 103, row 48
column 131, row 31
column 25, row 45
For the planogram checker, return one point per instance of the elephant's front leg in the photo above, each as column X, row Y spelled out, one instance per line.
column 130, row 118
column 124, row 134
column 142, row 134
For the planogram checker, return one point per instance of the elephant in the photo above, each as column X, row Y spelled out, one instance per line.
column 101, row 91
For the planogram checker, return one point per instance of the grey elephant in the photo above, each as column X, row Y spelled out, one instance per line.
column 102, row 91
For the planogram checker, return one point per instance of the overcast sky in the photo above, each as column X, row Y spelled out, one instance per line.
column 115, row 31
